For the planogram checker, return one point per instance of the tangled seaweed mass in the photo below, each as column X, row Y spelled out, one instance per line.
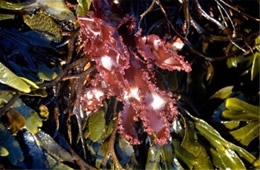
column 125, row 64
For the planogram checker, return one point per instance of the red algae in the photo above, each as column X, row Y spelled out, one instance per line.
column 122, row 74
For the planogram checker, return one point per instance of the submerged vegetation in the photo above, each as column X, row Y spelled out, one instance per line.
column 128, row 84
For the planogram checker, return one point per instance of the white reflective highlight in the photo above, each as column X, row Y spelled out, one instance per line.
column 94, row 93
column 134, row 92
column 117, row 58
column 178, row 45
column 156, row 44
column 169, row 61
column 98, row 93
column 107, row 62
column 89, row 95
column 158, row 102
